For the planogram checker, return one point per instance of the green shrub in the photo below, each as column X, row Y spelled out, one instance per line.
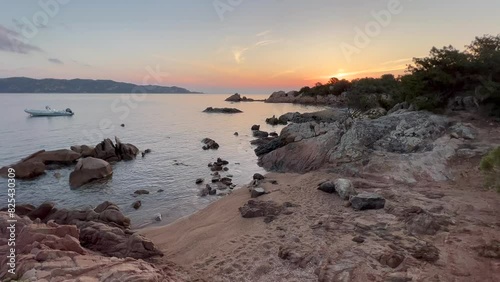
column 490, row 165
column 368, row 93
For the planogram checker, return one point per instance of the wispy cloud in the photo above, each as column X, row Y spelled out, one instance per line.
column 286, row 72
column 56, row 61
column 12, row 41
column 367, row 71
column 239, row 52
column 266, row 32
column 81, row 64
column 397, row 61
column 264, row 43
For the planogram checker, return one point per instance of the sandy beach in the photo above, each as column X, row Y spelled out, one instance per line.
column 315, row 237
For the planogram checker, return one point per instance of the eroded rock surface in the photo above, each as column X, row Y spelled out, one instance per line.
column 52, row 252
column 407, row 144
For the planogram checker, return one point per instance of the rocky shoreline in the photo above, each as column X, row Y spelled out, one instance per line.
column 374, row 196
column 298, row 98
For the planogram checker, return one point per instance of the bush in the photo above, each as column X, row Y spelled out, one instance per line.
column 368, row 93
column 490, row 165
column 448, row 72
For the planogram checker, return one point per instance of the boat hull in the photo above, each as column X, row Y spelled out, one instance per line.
column 39, row 113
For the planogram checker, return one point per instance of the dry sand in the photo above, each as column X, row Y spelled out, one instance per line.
column 217, row 244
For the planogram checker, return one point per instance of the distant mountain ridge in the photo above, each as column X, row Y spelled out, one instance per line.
column 50, row 85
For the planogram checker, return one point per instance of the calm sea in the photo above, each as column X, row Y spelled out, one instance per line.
column 172, row 126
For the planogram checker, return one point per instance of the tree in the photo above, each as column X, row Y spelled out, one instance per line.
column 333, row 80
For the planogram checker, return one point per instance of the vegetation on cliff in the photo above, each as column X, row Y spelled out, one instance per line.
column 490, row 165
column 430, row 82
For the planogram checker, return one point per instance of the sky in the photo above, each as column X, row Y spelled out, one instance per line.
column 228, row 46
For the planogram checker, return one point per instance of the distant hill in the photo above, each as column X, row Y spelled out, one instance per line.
column 30, row 85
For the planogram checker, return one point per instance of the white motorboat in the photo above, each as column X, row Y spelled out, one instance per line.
column 48, row 112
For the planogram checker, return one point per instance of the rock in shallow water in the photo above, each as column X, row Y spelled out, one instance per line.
column 137, row 204
column 366, row 201
column 88, row 170
column 210, row 144
column 260, row 134
column 222, row 110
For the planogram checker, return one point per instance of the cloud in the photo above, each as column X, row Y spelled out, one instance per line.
column 239, row 52
column 266, row 32
column 286, row 72
column 81, row 64
column 397, row 61
column 367, row 71
column 12, row 41
column 56, row 61
column 264, row 43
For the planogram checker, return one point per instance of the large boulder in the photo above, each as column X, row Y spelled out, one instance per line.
column 88, row 170
column 300, row 147
column 62, row 157
column 106, row 151
column 25, row 170
column 282, row 97
column 126, row 152
column 35, row 164
column 84, row 150
column 234, row 98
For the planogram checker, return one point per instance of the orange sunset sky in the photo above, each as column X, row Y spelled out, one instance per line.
column 227, row 46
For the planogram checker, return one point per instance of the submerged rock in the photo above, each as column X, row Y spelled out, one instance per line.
column 276, row 121
column 137, row 204
column 222, row 110
column 260, row 134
